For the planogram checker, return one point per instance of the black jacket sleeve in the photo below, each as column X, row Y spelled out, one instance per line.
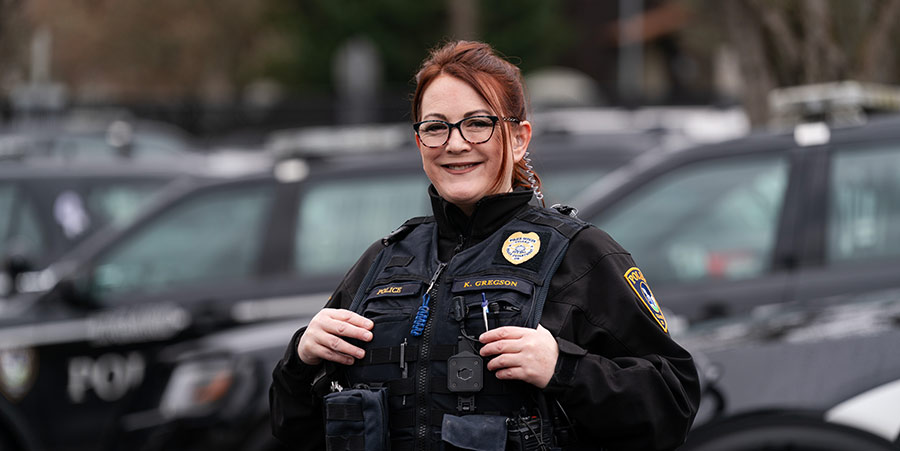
column 620, row 377
column 295, row 412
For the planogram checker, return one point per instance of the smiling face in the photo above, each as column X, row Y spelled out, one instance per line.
column 461, row 172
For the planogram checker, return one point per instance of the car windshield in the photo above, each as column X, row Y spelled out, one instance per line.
column 708, row 220
column 118, row 202
column 220, row 229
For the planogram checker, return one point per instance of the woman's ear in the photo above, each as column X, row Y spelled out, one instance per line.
column 520, row 137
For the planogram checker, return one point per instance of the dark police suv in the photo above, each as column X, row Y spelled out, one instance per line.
column 731, row 227
column 163, row 334
column 780, row 253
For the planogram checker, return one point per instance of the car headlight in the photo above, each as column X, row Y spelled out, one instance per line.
column 196, row 388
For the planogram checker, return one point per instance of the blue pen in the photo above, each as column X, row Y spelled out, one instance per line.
column 484, row 311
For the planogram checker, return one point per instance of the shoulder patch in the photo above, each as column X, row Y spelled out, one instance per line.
column 521, row 247
column 18, row 369
column 638, row 283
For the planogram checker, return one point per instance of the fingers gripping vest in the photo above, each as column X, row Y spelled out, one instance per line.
column 504, row 279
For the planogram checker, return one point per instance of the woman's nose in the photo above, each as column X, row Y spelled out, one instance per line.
column 456, row 142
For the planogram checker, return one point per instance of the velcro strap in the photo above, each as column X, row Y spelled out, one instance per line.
column 438, row 384
column 343, row 411
column 442, row 352
column 345, row 443
column 402, row 387
column 564, row 227
column 399, row 260
column 492, row 386
column 377, row 356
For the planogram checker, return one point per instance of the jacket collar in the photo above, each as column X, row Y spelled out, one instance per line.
column 490, row 213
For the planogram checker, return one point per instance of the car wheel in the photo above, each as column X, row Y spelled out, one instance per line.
column 781, row 432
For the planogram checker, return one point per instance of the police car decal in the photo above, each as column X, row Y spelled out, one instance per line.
column 638, row 283
column 18, row 368
column 521, row 247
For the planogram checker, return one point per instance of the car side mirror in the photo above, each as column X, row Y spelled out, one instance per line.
column 11, row 266
column 73, row 289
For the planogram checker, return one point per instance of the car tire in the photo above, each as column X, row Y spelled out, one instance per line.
column 781, row 432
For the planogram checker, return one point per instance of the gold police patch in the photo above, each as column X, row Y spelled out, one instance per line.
column 638, row 283
column 521, row 247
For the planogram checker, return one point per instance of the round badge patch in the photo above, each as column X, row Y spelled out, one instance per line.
column 521, row 247
column 18, row 368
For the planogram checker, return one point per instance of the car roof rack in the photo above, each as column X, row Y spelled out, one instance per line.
column 839, row 103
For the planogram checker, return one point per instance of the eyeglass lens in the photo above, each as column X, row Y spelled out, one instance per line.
column 475, row 130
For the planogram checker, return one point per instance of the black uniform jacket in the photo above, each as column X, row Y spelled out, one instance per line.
column 620, row 378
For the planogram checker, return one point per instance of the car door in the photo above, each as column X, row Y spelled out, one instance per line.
column 852, row 239
column 171, row 277
column 708, row 228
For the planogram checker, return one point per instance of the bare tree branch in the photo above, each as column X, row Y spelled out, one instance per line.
column 746, row 34
column 785, row 40
column 877, row 52
column 823, row 59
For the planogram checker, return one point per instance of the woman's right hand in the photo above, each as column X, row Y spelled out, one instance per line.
column 324, row 337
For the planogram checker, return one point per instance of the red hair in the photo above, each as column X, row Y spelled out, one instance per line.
column 495, row 79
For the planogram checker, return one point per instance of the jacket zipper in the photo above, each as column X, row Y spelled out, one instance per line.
column 424, row 358
column 422, row 419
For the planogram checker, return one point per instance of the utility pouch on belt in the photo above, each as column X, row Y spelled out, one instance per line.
column 357, row 420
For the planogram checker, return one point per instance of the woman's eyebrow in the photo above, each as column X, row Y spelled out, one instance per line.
column 478, row 112
column 470, row 113
column 436, row 116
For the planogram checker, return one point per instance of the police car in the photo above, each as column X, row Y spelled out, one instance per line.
column 732, row 227
column 163, row 334
column 811, row 375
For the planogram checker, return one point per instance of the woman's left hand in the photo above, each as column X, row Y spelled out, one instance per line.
column 521, row 353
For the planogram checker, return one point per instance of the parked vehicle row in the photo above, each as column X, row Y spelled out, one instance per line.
column 775, row 256
column 163, row 334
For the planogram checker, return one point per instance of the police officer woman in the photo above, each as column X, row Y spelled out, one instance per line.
column 493, row 324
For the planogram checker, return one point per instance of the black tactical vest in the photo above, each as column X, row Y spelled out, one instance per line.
column 504, row 278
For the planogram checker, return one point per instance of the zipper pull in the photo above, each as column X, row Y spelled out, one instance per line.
column 434, row 277
column 422, row 314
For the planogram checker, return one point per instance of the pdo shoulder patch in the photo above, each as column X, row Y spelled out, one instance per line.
column 638, row 283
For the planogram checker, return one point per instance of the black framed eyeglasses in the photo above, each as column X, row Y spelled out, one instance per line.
column 474, row 129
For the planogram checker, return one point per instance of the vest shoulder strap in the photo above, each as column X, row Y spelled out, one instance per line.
column 400, row 232
column 567, row 225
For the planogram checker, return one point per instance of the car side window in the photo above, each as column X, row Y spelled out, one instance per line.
column 864, row 205
column 20, row 229
column 7, row 191
column 708, row 220
column 7, row 194
column 214, row 236
column 367, row 208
